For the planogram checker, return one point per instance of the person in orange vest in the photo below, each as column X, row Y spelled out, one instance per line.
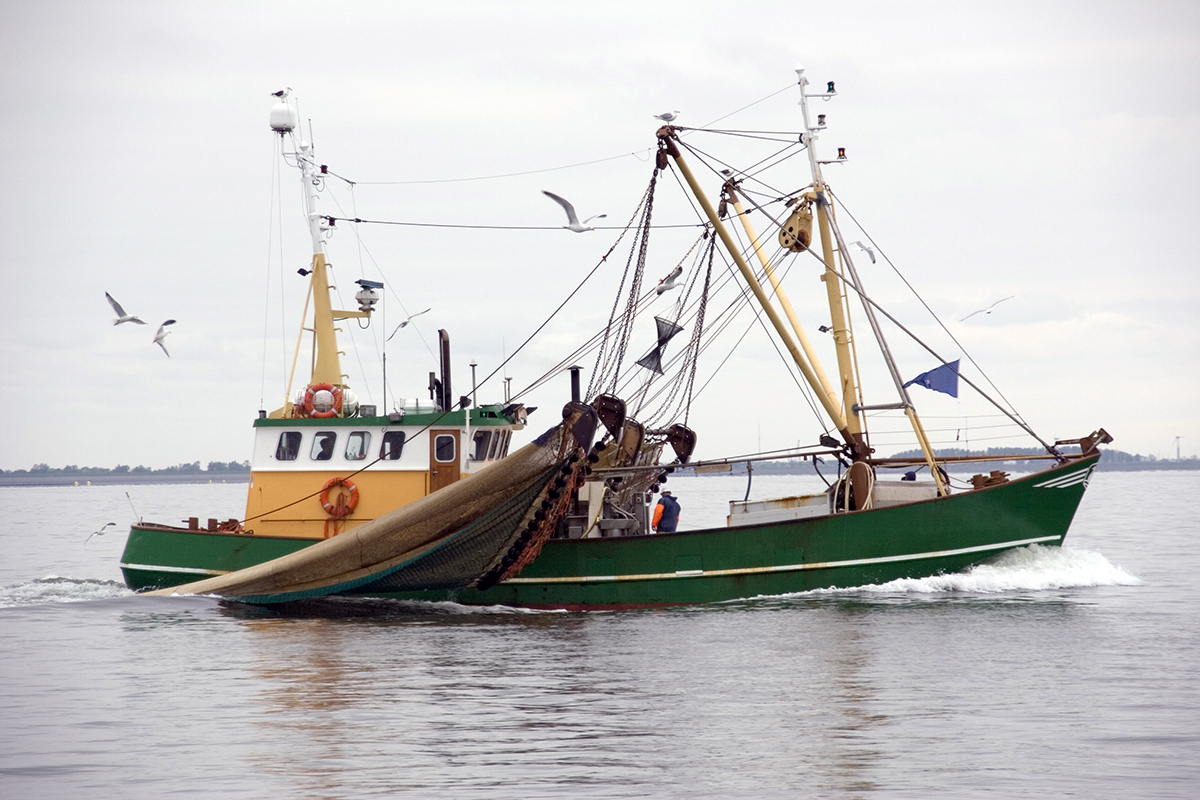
column 666, row 514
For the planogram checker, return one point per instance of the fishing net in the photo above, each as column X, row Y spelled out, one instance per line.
column 445, row 539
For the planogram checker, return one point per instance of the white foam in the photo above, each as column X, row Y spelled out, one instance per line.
column 1027, row 569
column 56, row 589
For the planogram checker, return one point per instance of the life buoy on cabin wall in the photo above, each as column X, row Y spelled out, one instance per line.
column 310, row 396
column 345, row 504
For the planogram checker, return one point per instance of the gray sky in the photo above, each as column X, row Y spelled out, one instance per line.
column 1049, row 151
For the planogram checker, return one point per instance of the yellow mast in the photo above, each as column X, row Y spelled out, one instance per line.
column 830, row 235
column 327, row 366
column 837, row 312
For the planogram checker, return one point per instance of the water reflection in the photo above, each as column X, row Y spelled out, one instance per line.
column 449, row 699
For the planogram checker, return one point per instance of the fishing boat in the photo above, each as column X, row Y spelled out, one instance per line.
column 424, row 514
column 590, row 541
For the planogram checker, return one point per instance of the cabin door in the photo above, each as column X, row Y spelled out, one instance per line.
column 443, row 458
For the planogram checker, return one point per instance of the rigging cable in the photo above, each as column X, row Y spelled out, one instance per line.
column 635, row 154
column 927, row 308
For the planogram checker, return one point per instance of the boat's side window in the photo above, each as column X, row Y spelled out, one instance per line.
column 393, row 445
column 444, row 449
column 356, row 446
column 289, row 446
column 323, row 442
column 497, row 442
column 479, row 450
column 504, row 447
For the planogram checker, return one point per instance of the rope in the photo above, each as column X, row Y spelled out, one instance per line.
column 359, row 221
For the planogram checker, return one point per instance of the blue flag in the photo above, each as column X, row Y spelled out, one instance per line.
column 944, row 379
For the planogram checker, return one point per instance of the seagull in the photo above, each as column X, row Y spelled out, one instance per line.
column 670, row 282
column 667, row 116
column 100, row 532
column 865, row 249
column 987, row 310
column 575, row 224
column 162, row 334
column 410, row 319
column 121, row 315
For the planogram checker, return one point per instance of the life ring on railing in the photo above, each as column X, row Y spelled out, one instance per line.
column 311, row 392
column 344, row 505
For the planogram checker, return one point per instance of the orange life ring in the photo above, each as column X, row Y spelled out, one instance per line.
column 311, row 391
column 344, row 506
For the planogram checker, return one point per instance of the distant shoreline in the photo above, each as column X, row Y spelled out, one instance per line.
column 119, row 480
column 244, row 477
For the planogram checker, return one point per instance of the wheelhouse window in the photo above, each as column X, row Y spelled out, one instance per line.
column 322, row 449
column 479, row 445
column 357, row 446
column 289, row 446
column 393, row 446
column 444, row 448
column 497, row 445
column 500, row 444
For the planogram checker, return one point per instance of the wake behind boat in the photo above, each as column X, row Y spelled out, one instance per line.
column 578, row 534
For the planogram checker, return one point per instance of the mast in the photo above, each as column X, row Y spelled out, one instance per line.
column 326, row 365
column 830, row 235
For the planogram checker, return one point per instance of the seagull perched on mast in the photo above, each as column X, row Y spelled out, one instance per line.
column 162, row 334
column 667, row 116
column 987, row 310
column 121, row 315
column 575, row 224
column 670, row 282
column 410, row 319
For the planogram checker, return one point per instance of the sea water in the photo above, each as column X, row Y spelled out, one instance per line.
column 1047, row 672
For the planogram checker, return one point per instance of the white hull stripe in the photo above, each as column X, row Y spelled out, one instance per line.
column 717, row 573
column 1063, row 481
column 180, row 570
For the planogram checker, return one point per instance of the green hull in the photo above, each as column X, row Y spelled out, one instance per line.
column 914, row 540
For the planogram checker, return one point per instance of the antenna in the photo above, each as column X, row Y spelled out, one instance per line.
column 131, row 505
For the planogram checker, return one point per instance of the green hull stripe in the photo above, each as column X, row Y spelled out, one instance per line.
column 712, row 573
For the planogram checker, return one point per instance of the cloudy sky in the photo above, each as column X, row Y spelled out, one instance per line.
column 1044, row 151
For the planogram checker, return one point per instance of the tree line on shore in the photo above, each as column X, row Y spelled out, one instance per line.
column 1110, row 456
column 243, row 467
column 194, row 468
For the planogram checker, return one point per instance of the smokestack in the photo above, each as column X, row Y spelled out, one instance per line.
column 444, row 400
column 575, row 383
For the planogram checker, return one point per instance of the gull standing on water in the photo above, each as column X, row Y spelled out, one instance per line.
column 575, row 224
column 162, row 334
column 987, row 310
column 121, row 315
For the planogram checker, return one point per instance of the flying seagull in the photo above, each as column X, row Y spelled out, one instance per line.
column 670, row 282
column 103, row 530
column 865, row 249
column 987, row 310
column 162, row 334
column 121, row 315
column 410, row 319
column 667, row 116
column 575, row 224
